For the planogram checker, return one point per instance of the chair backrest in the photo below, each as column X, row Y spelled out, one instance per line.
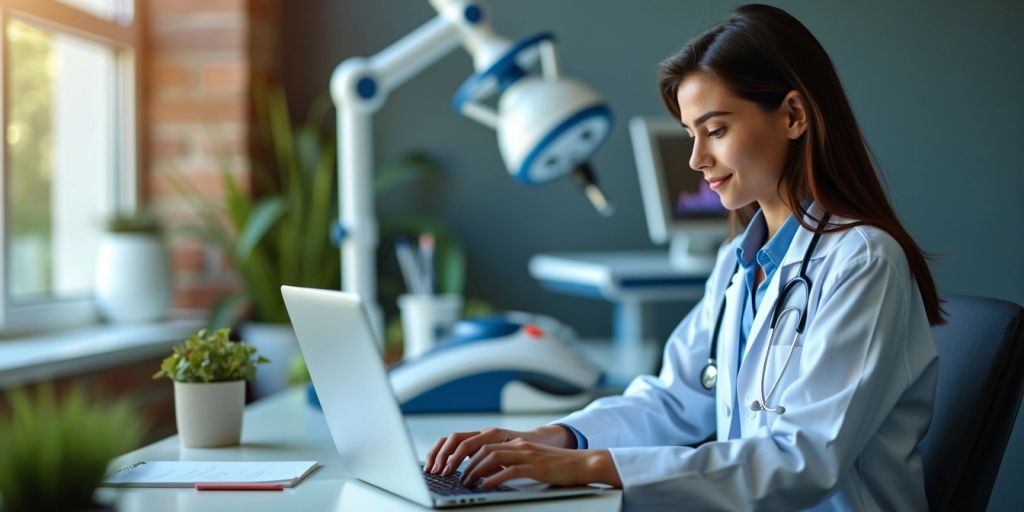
column 981, row 379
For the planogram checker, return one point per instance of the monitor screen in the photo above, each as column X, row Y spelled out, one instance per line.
column 686, row 193
column 678, row 204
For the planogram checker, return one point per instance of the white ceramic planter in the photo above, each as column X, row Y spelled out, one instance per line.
column 133, row 277
column 209, row 414
column 276, row 342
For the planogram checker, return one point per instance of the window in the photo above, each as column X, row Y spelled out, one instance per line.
column 69, row 151
column 121, row 11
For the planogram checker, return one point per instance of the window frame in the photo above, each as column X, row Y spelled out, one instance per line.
column 126, row 39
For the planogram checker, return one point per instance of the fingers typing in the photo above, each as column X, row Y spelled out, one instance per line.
column 493, row 458
column 433, row 452
column 446, row 449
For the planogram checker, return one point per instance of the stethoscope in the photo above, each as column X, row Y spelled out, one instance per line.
column 709, row 375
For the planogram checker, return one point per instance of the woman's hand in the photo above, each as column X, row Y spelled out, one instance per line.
column 496, row 463
column 448, row 452
column 545, row 454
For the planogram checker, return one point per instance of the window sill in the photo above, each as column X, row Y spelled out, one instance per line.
column 57, row 354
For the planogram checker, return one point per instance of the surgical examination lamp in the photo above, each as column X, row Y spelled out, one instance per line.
column 548, row 126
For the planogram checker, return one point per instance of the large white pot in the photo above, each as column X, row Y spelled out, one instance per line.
column 209, row 414
column 133, row 277
column 276, row 342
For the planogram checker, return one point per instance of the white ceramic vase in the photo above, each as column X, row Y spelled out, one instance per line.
column 276, row 342
column 133, row 277
column 209, row 414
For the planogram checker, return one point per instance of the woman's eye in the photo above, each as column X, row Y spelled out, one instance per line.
column 717, row 132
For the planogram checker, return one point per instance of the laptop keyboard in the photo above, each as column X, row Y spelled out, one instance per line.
column 450, row 485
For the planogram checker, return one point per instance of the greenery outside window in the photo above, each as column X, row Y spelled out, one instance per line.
column 70, row 151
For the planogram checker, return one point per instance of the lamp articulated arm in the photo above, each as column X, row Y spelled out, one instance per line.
column 359, row 87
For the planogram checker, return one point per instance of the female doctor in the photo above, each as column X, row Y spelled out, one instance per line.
column 809, row 362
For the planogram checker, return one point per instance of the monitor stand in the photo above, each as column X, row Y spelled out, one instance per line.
column 695, row 252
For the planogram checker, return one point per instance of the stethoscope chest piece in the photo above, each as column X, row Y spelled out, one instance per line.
column 709, row 375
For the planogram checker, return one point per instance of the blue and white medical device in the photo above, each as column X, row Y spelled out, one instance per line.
column 510, row 363
column 548, row 126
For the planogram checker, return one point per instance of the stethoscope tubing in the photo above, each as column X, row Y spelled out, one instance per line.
column 762, row 404
column 709, row 374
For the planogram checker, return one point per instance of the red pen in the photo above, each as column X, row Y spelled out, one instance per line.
column 239, row 487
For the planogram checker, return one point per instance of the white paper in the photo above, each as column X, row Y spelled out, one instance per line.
column 188, row 473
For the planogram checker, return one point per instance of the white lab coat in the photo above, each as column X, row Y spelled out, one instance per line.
column 858, row 393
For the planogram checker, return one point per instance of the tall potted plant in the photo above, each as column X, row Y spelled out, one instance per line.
column 282, row 235
column 278, row 236
column 209, row 373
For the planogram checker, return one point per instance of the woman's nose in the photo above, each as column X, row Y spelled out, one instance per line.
column 700, row 158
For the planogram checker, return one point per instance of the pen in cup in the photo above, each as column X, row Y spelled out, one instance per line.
column 411, row 272
column 427, row 253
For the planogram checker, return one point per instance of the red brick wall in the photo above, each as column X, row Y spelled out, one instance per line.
column 201, row 59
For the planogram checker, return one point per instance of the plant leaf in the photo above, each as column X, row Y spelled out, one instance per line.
column 411, row 168
column 266, row 212
column 227, row 311
column 238, row 202
column 53, row 453
column 215, row 231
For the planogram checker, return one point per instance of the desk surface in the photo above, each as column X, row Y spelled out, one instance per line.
column 285, row 427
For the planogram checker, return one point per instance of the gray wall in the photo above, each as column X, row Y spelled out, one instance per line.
column 935, row 86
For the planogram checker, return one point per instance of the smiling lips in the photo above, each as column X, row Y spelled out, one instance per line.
column 715, row 183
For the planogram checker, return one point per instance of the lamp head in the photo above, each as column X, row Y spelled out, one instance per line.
column 548, row 126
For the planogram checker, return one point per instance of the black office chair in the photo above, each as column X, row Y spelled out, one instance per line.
column 981, row 379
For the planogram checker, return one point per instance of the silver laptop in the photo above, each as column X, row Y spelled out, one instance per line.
column 362, row 412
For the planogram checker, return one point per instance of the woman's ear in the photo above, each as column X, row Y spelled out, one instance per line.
column 795, row 115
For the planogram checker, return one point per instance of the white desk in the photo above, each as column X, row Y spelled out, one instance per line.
column 285, row 427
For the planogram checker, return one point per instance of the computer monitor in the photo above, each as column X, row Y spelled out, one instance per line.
column 680, row 207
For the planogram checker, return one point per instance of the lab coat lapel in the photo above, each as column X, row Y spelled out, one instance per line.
column 764, row 310
column 749, row 373
column 751, row 365
column 749, row 370
column 727, row 345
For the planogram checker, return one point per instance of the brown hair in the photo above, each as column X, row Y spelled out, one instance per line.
column 762, row 53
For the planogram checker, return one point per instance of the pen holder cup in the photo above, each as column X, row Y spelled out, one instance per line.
column 426, row 319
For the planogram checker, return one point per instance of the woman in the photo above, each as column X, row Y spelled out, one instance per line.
column 827, row 419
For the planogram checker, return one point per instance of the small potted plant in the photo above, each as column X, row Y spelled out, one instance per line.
column 133, row 272
column 53, row 454
column 209, row 373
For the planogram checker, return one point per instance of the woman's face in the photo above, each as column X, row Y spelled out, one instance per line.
column 739, row 147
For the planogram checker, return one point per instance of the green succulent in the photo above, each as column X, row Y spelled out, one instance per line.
column 211, row 357
column 54, row 454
